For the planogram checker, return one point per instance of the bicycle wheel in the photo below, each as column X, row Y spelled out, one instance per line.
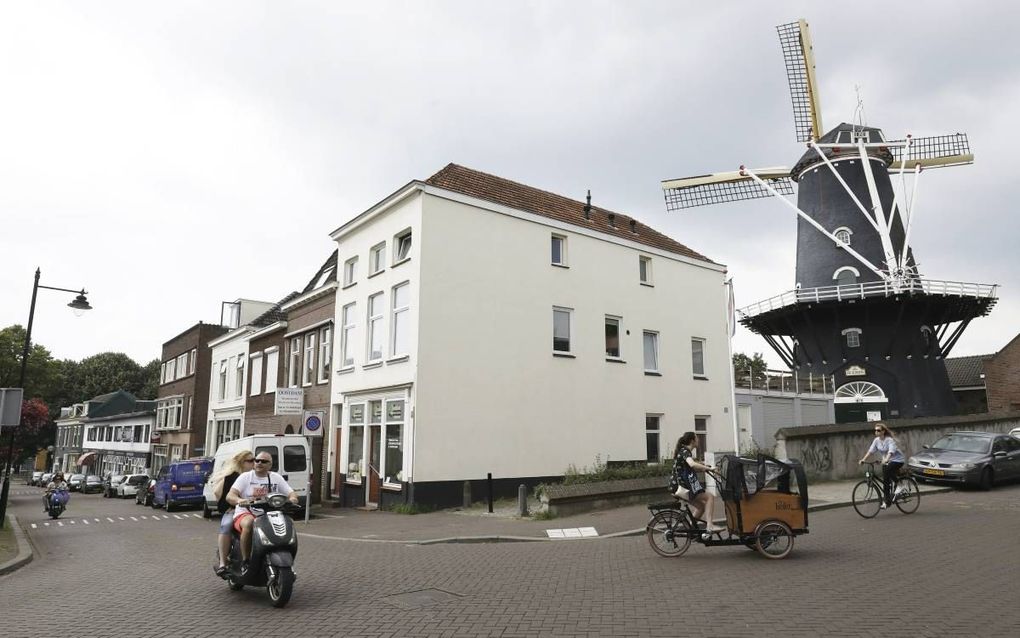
column 867, row 498
column 774, row 539
column 910, row 498
column 667, row 533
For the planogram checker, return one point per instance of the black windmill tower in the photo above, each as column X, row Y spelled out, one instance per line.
column 860, row 310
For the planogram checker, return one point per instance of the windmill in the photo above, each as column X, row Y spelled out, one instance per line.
column 860, row 310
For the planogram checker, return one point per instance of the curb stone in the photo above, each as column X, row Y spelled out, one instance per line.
column 24, row 556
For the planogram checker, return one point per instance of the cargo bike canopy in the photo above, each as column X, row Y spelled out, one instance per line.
column 744, row 478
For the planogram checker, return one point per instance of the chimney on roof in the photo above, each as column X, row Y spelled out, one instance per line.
column 587, row 206
column 612, row 220
column 633, row 226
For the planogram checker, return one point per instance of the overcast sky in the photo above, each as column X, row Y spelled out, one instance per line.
column 169, row 157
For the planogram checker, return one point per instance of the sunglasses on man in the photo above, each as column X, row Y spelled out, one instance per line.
column 260, row 461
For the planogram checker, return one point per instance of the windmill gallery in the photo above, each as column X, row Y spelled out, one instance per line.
column 860, row 309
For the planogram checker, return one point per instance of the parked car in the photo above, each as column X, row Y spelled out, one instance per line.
column 35, row 477
column 75, row 482
column 975, row 459
column 181, row 483
column 131, row 484
column 1015, row 432
column 92, row 484
column 111, row 483
column 45, row 480
column 143, row 495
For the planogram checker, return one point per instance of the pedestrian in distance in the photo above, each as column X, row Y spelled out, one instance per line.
column 892, row 459
column 685, row 468
column 222, row 481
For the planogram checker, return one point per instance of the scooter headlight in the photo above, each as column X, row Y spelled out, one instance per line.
column 277, row 500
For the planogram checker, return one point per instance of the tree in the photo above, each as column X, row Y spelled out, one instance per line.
column 42, row 376
column 107, row 372
column 749, row 371
column 148, row 380
column 36, row 431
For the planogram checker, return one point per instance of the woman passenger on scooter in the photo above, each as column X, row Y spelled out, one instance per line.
column 222, row 482
column 684, row 467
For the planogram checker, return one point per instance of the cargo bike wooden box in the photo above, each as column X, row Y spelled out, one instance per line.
column 766, row 508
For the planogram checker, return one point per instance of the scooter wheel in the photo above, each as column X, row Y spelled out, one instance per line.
column 280, row 588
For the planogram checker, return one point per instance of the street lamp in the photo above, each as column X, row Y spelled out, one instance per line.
column 79, row 305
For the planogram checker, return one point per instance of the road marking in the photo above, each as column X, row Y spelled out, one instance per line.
column 165, row 516
column 85, row 520
column 175, row 516
column 109, row 519
column 60, row 524
column 34, row 526
column 572, row 532
column 71, row 522
column 46, row 524
column 97, row 520
column 134, row 519
column 197, row 515
column 121, row 517
column 143, row 518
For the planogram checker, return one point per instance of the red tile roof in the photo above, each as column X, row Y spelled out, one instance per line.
column 533, row 200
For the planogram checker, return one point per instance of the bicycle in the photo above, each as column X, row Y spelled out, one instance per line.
column 869, row 493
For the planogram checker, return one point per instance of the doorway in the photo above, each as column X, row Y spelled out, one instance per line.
column 374, row 480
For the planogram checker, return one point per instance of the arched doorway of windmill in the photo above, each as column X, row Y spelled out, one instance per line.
column 859, row 401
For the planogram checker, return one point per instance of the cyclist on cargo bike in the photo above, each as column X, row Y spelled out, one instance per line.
column 766, row 507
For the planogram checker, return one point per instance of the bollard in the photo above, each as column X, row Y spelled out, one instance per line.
column 522, row 500
column 488, row 482
column 467, row 494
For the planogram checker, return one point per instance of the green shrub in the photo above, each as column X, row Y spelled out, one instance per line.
column 410, row 508
column 602, row 472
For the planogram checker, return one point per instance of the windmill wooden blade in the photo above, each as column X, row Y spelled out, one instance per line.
column 799, row 57
column 932, row 152
column 719, row 188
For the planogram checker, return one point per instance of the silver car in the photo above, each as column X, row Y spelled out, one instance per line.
column 975, row 459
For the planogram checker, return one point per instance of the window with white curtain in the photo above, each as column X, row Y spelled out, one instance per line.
column 375, row 334
column 651, row 347
column 346, row 335
column 239, row 379
column 295, row 362
column 401, row 304
column 272, row 368
column 325, row 353
column 256, row 373
column 309, row 369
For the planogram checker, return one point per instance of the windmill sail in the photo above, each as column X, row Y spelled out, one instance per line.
column 798, row 55
column 932, row 152
column 719, row 188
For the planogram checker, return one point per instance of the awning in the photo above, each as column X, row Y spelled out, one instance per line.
column 86, row 458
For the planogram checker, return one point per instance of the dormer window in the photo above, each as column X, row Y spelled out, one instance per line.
column 843, row 234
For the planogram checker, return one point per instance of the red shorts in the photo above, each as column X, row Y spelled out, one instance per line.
column 240, row 519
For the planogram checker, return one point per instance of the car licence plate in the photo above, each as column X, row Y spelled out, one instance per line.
column 931, row 472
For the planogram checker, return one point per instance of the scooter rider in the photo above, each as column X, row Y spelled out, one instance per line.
column 56, row 484
column 251, row 486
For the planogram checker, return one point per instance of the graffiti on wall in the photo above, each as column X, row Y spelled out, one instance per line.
column 816, row 457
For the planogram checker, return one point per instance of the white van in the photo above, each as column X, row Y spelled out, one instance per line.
column 291, row 459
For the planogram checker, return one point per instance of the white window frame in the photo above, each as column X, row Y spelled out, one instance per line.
column 223, row 380
column 374, row 327
column 377, row 259
column 239, row 368
column 325, row 353
column 853, row 337
column 348, row 320
column 395, row 319
column 182, row 365
column 694, row 367
column 657, row 431
column 191, row 361
column 171, row 370
column 562, row 239
column 654, row 334
column 857, row 275
column 402, row 244
column 308, row 369
column 256, row 373
column 645, row 264
column 569, row 312
column 272, row 369
column 843, row 229
column 619, row 337
column 350, row 271
column 294, row 359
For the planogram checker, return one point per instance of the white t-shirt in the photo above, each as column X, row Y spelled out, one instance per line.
column 250, row 486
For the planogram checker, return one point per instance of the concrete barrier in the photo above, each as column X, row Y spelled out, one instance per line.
column 831, row 452
column 566, row 500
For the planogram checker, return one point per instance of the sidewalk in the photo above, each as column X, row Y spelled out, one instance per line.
column 476, row 525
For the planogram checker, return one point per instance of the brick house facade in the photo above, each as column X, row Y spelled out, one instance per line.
column 183, row 396
column 1002, row 378
column 297, row 352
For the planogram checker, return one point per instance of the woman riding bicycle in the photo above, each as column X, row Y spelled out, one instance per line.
column 892, row 459
column 684, row 467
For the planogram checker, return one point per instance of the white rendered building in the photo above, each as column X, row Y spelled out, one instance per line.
column 484, row 326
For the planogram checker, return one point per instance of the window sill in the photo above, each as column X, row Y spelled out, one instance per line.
column 647, row 285
column 350, row 285
column 306, row 384
column 615, row 360
column 322, row 381
column 395, row 487
column 564, row 355
column 353, row 481
column 560, row 266
column 378, row 272
column 374, row 364
column 347, row 370
column 651, row 373
column 700, row 377
column 401, row 359
column 402, row 261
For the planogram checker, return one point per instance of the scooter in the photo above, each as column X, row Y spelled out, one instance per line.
column 57, row 503
column 273, row 549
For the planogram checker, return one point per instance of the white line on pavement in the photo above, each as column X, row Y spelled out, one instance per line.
column 34, row 526
column 165, row 516
column 175, row 516
column 121, row 517
column 71, row 522
column 133, row 518
column 60, row 524
column 197, row 515
column 144, row 519
column 109, row 519
column 46, row 524
column 97, row 520
column 85, row 520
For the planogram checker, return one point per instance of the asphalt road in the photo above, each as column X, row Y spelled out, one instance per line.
column 949, row 569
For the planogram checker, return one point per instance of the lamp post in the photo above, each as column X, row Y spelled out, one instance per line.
column 79, row 305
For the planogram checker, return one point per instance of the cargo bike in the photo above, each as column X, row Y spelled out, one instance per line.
column 766, row 508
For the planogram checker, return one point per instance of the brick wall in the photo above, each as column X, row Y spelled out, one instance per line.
column 1002, row 378
column 194, row 387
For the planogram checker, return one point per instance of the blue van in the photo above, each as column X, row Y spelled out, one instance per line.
column 181, row 483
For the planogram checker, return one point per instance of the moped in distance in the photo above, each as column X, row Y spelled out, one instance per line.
column 273, row 549
column 56, row 502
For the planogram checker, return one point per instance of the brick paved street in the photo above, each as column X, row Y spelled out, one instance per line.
column 949, row 569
